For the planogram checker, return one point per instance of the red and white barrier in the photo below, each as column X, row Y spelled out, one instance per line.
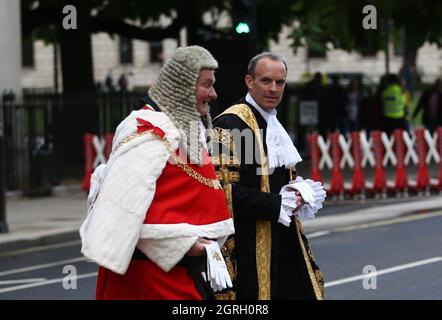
column 96, row 151
column 315, row 157
column 108, row 138
column 89, row 159
column 423, row 179
column 439, row 148
column 359, row 153
column 358, row 184
column 379, row 179
column 337, row 180
column 401, row 178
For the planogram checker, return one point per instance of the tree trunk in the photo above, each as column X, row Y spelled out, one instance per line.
column 191, row 17
column 233, row 56
column 76, row 52
column 409, row 72
column 411, row 46
column 80, row 111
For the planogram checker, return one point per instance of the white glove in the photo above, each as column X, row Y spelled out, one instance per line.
column 307, row 192
column 309, row 212
column 288, row 205
column 217, row 272
column 312, row 192
column 285, row 216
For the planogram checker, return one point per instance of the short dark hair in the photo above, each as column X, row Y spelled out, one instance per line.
column 273, row 56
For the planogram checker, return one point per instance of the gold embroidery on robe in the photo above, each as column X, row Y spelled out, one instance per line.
column 263, row 228
column 226, row 175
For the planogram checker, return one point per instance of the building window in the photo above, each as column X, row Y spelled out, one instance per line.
column 28, row 52
column 368, row 51
column 156, row 51
column 126, row 52
column 399, row 42
column 315, row 54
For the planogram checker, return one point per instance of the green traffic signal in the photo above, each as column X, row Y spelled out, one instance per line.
column 242, row 27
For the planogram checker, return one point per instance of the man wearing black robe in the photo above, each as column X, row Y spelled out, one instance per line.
column 269, row 259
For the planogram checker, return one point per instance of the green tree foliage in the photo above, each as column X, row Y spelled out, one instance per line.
column 340, row 24
column 138, row 19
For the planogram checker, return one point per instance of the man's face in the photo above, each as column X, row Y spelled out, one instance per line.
column 205, row 92
column 267, row 85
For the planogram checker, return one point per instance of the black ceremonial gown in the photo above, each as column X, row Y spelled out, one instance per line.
column 291, row 272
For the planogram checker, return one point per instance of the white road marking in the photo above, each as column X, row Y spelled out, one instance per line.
column 42, row 266
column 40, row 248
column 317, row 234
column 384, row 271
column 390, row 221
column 47, row 282
column 6, row 282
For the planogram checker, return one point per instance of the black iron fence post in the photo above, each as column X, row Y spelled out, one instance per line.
column 3, row 223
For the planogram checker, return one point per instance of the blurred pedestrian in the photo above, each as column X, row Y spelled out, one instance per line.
column 338, row 100
column 393, row 105
column 430, row 104
column 371, row 111
column 315, row 93
column 109, row 83
column 352, row 108
column 408, row 74
column 123, row 83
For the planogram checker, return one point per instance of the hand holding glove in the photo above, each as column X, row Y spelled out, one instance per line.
column 312, row 192
column 217, row 272
column 307, row 192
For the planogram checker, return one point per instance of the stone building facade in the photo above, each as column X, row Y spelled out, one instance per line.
column 143, row 68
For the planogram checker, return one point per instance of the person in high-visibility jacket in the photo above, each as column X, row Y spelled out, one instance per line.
column 394, row 107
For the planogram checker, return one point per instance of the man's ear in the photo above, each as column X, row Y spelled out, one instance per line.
column 248, row 80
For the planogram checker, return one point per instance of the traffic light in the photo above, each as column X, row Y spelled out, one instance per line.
column 243, row 16
column 242, row 27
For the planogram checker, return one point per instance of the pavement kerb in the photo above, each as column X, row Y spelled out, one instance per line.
column 43, row 240
column 57, row 191
column 373, row 214
column 63, row 233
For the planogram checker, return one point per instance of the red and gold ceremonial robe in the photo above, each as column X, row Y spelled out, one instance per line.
column 142, row 200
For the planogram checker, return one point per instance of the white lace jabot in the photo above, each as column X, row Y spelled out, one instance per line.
column 280, row 148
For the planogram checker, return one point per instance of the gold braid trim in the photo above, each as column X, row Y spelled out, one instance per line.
column 315, row 275
column 263, row 228
column 130, row 138
column 231, row 295
column 224, row 162
column 211, row 183
column 292, row 171
column 222, row 138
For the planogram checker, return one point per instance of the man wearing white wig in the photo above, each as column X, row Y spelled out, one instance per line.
column 156, row 212
column 256, row 161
